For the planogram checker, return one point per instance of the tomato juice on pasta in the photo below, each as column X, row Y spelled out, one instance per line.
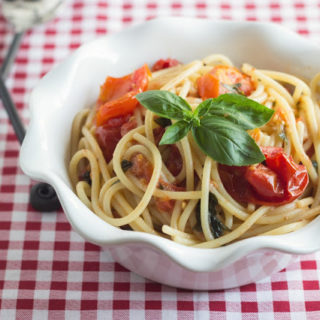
column 122, row 169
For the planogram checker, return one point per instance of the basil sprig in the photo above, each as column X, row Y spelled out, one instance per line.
column 218, row 125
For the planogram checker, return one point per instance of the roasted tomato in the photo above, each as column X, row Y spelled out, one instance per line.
column 167, row 204
column 164, row 64
column 109, row 134
column 170, row 153
column 224, row 79
column 276, row 182
column 142, row 169
column 117, row 95
column 173, row 160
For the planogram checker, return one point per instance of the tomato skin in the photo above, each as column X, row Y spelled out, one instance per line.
column 211, row 85
column 278, row 182
column 164, row 64
column 114, row 88
column 294, row 175
column 128, row 126
column 208, row 86
column 265, row 181
column 109, row 134
column 117, row 95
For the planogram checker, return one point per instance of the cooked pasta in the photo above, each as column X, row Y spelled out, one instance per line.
column 121, row 173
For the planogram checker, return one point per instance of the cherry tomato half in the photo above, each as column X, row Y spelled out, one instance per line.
column 117, row 95
column 142, row 169
column 164, row 64
column 221, row 79
column 109, row 134
column 279, row 181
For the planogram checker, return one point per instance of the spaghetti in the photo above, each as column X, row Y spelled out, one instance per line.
column 121, row 173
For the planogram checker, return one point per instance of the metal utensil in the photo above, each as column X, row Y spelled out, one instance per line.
column 24, row 14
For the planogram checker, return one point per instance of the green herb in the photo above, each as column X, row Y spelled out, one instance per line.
column 216, row 226
column 282, row 134
column 234, row 88
column 126, row 164
column 315, row 164
column 163, row 122
column 87, row 177
column 117, row 181
column 218, row 125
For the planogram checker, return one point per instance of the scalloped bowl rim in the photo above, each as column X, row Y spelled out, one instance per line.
column 103, row 234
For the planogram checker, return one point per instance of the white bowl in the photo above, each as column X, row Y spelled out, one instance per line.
column 74, row 84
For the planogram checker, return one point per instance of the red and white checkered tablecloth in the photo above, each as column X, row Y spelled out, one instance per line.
column 49, row 271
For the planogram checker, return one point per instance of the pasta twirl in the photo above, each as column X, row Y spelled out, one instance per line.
column 120, row 171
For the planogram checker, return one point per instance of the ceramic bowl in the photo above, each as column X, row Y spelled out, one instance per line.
column 74, row 84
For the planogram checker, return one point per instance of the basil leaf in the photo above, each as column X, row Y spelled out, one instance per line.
column 165, row 104
column 226, row 142
column 203, row 108
column 175, row 132
column 240, row 110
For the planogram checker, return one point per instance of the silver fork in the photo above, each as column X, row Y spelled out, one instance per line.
column 23, row 15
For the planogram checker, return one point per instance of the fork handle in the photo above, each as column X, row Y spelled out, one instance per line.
column 11, row 55
column 12, row 111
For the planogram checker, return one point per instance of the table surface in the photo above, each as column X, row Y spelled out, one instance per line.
column 46, row 269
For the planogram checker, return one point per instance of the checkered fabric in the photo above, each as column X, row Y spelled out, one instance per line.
column 49, row 271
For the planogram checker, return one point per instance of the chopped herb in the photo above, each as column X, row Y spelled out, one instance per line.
column 315, row 164
column 117, row 181
column 163, row 122
column 283, row 135
column 126, row 164
column 216, row 226
column 87, row 177
column 161, row 186
column 233, row 88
